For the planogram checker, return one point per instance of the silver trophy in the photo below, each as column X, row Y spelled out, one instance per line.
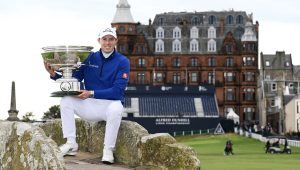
column 66, row 59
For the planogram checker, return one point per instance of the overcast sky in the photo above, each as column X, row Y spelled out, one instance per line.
column 28, row 25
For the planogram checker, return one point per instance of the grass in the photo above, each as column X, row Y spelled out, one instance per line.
column 248, row 154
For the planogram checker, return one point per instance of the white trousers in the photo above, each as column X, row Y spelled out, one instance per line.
column 92, row 110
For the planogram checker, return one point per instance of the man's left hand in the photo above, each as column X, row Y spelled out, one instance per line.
column 84, row 94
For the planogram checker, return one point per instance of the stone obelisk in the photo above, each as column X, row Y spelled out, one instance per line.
column 13, row 112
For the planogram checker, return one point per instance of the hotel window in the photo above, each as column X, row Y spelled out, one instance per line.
column 248, row 61
column 176, row 33
column 229, row 77
column 195, row 21
column 159, row 77
column 273, row 86
column 211, row 61
column 141, row 62
column 229, row 62
column 159, row 46
column 176, row 78
column 211, row 77
column 160, row 33
column 248, row 94
column 194, row 46
column 229, row 19
column 273, row 103
column 211, row 32
column 248, row 76
column 194, row 62
column 212, row 20
column 239, row 19
column 121, row 29
column 122, row 48
column 194, row 32
column 229, row 48
column 140, row 49
column 141, row 78
column 211, row 46
column 176, row 46
column 176, row 62
column 160, row 21
column 159, row 62
column 194, row 77
column 230, row 94
column 249, row 113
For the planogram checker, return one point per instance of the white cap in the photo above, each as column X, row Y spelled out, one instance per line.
column 107, row 31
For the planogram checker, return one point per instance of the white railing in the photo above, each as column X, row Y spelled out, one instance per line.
column 259, row 137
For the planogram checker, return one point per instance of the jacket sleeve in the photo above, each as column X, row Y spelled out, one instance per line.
column 57, row 76
column 116, row 92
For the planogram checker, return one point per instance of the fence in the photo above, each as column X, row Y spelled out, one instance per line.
column 194, row 132
column 295, row 143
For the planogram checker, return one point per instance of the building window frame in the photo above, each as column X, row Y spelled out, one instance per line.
column 141, row 78
column 176, row 78
column 176, row 62
column 194, row 62
column 141, row 62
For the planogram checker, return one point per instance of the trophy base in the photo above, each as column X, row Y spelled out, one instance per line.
column 64, row 93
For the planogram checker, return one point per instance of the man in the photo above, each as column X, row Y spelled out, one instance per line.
column 103, row 97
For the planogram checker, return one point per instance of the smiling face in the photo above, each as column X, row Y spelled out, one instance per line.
column 107, row 43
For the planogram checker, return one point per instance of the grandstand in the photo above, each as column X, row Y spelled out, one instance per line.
column 172, row 108
column 170, row 101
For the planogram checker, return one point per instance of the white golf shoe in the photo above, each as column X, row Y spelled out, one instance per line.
column 108, row 156
column 69, row 149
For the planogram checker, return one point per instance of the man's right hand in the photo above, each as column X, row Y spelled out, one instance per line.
column 49, row 69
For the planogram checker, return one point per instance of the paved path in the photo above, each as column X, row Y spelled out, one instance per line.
column 90, row 161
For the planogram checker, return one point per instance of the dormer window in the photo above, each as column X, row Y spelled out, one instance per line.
column 194, row 46
column 159, row 46
column 160, row 21
column 195, row 21
column 176, row 46
column 211, row 46
column 211, row 32
column 176, row 33
column 212, row 20
column 239, row 19
column 160, row 33
column 229, row 19
column 268, row 63
column 194, row 32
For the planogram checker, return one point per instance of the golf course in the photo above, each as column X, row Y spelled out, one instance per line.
column 249, row 154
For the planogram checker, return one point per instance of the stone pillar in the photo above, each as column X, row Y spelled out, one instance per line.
column 13, row 112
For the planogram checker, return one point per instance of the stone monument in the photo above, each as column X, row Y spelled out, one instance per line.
column 13, row 112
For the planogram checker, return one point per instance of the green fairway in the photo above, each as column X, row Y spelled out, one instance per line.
column 248, row 154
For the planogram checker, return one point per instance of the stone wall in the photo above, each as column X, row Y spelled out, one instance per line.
column 24, row 146
column 135, row 146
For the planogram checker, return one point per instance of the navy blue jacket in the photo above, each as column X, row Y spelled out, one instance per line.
column 108, row 77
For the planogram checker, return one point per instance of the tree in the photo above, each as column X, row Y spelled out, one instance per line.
column 28, row 117
column 52, row 113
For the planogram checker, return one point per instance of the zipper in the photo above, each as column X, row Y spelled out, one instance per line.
column 104, row 61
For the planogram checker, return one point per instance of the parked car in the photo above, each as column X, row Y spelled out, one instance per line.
column 273, row 145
